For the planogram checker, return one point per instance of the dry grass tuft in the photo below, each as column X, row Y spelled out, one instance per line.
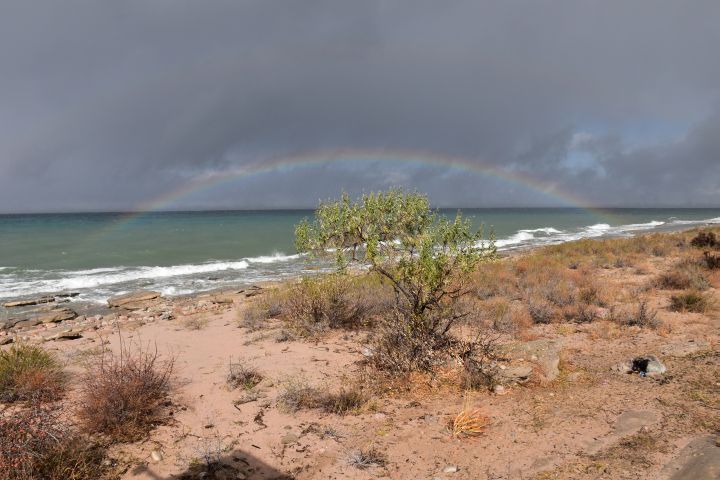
column 468, row 423
column 29, row 373
column 195, row 323
column 343, row 402
column 363, row 459
column 122, row 395
column 242, row 375
column 296, row 394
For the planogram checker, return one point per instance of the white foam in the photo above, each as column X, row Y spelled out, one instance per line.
column 79, row 282
column 548, row 230
column 94, row 271
column 274, row 258
column 598, row 227
column 518, row 238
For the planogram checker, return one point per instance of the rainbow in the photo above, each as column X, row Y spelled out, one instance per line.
column 411, row 158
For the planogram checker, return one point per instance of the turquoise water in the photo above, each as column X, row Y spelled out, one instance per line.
column 103, row 254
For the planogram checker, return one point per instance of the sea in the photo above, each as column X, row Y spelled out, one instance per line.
column 98, row 255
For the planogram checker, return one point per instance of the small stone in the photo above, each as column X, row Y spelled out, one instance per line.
column 156, row 455
column 499, row 390
column 290, row 439
column 451, row 469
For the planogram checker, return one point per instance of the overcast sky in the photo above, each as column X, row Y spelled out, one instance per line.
column 112, row 105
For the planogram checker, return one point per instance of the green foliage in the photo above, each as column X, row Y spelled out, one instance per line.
column 425, row 257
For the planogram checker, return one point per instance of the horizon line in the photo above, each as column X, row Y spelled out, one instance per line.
column 305, row 209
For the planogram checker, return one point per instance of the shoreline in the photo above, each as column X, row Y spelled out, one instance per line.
column 563, row 406
column 91, row 308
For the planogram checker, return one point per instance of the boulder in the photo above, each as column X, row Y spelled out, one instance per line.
column 544, row 353
column 648, row 365
column 134, row 300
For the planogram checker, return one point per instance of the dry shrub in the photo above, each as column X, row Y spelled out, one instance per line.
column 686, row 275
column 541, row 311
column 37, row 444
column 334, row 301
column 122, row 395
column 692, row 301
column 479, row 358
column 296, row 394
column 344, row 401
column 398, row 346
column 243, row 375
column 363, row 459
column 711, row 262
column 580, row 313
column 704, row 240
column 195, row 323
column 641, row 316
column 29, row 373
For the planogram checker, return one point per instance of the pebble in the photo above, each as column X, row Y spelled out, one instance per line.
column 156, row 455
column 451, row 469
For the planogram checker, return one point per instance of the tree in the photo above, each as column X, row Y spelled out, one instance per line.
column 423, row 255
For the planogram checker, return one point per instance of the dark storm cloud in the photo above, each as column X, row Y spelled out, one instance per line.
column 107, row 105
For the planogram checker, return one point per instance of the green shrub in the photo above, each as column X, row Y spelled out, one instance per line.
column 425, row 258
column 29, row 373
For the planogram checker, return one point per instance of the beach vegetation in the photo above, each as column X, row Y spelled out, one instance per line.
column 705, row 240
column 640, row 316
column 686, row 275
column 425, row 258
column 123, row 394
column 28, row 372
column 243, row 375
column 691, row 301
column 38, row 443
column 366, row 458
